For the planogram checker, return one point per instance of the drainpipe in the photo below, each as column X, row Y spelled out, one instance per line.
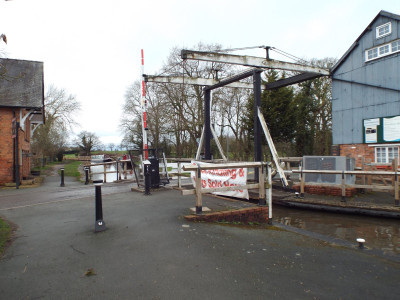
column 17, row 175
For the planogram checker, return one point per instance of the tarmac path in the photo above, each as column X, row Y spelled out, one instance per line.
column 149, row 251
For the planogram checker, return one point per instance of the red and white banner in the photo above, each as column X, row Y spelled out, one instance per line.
column 223, row 178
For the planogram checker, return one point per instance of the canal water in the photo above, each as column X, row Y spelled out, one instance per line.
column 110, row 177
column 379, row 233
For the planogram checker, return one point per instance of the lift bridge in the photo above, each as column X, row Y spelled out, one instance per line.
column 256, row 65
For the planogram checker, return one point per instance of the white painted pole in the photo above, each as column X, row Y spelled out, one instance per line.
column 179, row 175
column 269, row 193
column 200, row 144
column 218, row 143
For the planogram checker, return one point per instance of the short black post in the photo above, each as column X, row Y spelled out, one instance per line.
column 147, row 179
column 396, row 190
column 302, row 179
column 117, row 163
column 86, row 176
column 343, row 188
column 62, row 177
column 100, row 225
column 262, row 176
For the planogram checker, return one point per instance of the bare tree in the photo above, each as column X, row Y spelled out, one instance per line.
column 130, row 122
column 185, row 102
column 175, row 111
column 111, row 146
column 230, row 109
column 60, row 109
column 87, row 142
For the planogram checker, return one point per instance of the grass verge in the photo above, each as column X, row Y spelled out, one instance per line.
column 5, row 234
column 71, row 169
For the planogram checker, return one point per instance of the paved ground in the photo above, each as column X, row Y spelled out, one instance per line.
column 150, row 252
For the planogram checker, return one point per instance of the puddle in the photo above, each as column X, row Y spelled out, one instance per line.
column 379, row 233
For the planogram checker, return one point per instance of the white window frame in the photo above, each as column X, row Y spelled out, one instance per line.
column 386, row 158
column 389, row 25
column 380, row 53
column 398, row 46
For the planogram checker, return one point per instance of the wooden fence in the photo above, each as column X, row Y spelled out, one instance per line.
column 343, row 185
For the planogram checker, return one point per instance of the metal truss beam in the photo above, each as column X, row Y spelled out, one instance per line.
column 235, row 78
column 251, row 61
column 194, row 81
column 292, row 80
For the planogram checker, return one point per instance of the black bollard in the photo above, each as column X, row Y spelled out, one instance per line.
column 343, row 188
column 117, row 163
column 100, row 225
column 86, row 176
column 62, row 177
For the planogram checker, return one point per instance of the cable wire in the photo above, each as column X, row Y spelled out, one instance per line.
column 291, row 56
column 238, row 49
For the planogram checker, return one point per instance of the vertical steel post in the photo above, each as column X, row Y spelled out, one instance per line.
column 117, row 163
column 199, row 197
column 257, row 124
column 100, row 225
column 343, row 188
column 86, row 175
column 179, row 175
column 261, row 183
column 302, row 182
column 396, row 189
column 396, row 182
column 269, row 193
column 62, row 177
column 207, row 123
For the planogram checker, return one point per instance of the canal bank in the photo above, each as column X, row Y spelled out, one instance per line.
column 375, row 204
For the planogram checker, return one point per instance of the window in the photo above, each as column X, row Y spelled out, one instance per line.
column 396, row 46
column 371, row 54
column 386, row 154
column 382, row 50
column 383, row 30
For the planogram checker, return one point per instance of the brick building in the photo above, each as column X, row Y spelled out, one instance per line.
column 21, row 111
column 366, row 94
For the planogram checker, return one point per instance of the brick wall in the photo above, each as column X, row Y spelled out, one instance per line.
column 358, row 151
column 7, row 146
column 325, row 190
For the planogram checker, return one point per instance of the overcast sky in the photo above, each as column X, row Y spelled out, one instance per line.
column 91, row 48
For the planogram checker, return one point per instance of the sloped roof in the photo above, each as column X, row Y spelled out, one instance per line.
column 368, row 28
column 21, row 84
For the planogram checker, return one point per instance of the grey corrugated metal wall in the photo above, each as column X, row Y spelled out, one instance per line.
column 363, row 90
